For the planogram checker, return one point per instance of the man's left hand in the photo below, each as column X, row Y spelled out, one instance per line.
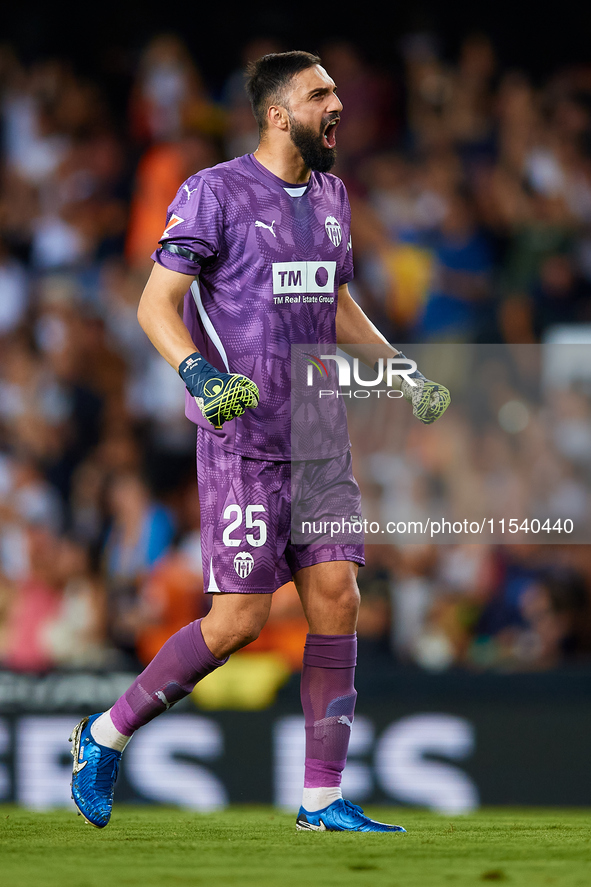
column 429, row 399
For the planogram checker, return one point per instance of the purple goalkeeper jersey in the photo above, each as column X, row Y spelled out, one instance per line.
column 268, row 258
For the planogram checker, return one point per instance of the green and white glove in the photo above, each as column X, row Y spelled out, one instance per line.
column 429, row 399
column 221, row 397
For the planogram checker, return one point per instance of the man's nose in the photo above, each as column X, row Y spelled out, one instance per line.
column 335, row 103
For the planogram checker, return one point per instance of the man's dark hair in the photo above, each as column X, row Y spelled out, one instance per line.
column 268, row 77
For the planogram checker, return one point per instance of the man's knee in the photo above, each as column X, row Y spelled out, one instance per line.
column 330, row 596
column 235, row 621
column 334, row 611
column 247, row 628
column 339, row 586
column 346, row 598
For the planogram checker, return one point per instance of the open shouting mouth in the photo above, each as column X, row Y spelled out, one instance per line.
column 329, row 138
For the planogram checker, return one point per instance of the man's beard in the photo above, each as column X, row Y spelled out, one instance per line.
column 314, row 153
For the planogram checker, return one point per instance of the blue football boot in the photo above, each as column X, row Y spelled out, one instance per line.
column 341, row 816
column 93, row 775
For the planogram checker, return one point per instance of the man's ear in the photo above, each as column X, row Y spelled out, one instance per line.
column 278, row 117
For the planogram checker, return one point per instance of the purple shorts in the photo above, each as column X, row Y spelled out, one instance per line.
column 247, row 540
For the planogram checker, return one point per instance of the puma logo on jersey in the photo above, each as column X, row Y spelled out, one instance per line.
column 345, row 720
column 258, row 224
column 186, row 187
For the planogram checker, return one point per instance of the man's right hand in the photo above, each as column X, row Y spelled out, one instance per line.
column 220, row 396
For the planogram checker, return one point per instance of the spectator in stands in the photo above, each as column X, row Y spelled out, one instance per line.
column 33, row 605
column 141, row 532
column 459, row 306
column 76, row 637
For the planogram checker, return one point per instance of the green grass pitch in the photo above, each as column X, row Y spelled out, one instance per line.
column 259, row 846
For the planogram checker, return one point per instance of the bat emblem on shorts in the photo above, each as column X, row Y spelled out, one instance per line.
column 243, row 564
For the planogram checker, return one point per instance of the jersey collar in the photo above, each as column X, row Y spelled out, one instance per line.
column 288, row 187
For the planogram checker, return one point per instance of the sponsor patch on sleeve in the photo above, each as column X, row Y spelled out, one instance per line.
column 172, row 223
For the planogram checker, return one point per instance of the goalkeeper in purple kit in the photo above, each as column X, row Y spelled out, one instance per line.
column 243, row 240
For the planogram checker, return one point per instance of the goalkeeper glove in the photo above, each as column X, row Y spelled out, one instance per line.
column 429, row 399
column 220, row 396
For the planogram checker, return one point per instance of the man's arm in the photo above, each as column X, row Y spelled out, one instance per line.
column 353, row 325
column 158, row 314
column 360, row 338
column 220, row 396
column 355, row 328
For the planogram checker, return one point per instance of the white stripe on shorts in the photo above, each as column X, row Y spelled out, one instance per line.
column 213, row 586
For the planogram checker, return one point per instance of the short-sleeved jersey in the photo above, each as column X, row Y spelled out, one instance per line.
column 268, row 258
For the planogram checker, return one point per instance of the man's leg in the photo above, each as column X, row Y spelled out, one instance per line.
column 330, row 598
column 188, row 656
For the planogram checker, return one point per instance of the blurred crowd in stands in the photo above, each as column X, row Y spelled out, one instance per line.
column 470, row 188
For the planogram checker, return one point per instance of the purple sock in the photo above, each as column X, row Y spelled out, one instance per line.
column 171, row 675
column 328, row 699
